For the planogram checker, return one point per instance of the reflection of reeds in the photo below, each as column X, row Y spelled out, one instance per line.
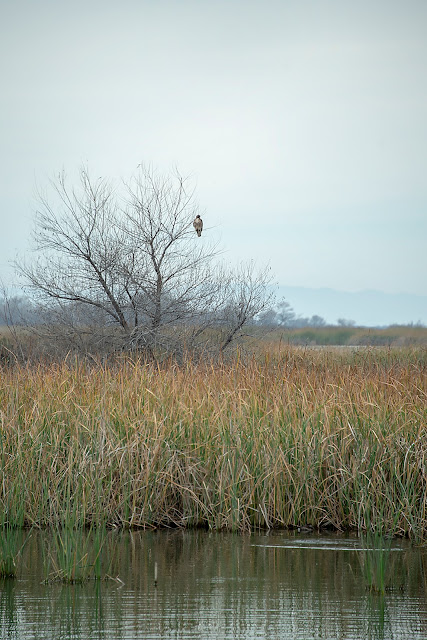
column 289, row 438
column 377, row 619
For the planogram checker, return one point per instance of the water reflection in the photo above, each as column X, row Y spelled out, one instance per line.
column 219, row 586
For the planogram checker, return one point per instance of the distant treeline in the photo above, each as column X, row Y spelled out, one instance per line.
column 282, row 315
column 24, row 338
column 21, row 311
column 17, row 310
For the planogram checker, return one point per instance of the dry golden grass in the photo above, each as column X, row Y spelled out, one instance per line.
column 319, row 437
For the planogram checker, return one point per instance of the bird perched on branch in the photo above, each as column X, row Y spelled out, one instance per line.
column 198, row 225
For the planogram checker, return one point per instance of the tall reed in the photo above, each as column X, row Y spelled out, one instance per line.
column 291, row 437
column 11, row 546
column 375, row 561
column 75, row 555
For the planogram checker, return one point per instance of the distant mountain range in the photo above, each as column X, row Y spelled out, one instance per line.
column 366, row 308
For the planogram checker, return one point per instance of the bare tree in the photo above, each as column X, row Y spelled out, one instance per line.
column 176, row 283
column 128, row 269
column 246, row 298
column 80, row 248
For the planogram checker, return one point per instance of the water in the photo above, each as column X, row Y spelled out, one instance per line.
column 287, row 586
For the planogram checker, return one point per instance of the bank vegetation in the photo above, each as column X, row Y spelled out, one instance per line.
column 288, row 437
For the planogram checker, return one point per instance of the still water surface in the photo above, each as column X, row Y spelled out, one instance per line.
column 222, row 586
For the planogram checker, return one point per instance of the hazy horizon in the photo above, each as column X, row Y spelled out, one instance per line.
column 368, row 308
column 301, row 123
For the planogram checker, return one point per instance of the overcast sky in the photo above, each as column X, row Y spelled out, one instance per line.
column 303, row 123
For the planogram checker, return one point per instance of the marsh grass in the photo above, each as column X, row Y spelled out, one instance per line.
column 75, row 555
column 11, row 547
column 290, row 437
column 375, row 561
column 397, row 336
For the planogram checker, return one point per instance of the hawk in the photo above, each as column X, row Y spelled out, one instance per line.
column 198, row 225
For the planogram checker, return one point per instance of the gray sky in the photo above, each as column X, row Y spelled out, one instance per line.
column 303, row 123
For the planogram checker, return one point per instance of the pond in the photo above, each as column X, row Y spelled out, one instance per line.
column 279, row 585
